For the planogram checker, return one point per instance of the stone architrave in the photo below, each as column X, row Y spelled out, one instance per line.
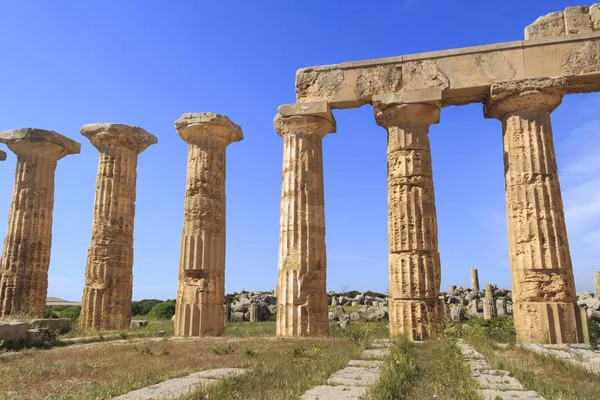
column 545, row 308
column 474, row 280
column 26, row 255
column 414, row 261
column 597, row 283
column 106, row 300
column 489, row 308
column 2, row 155
column 302, row 304
column 201, row 290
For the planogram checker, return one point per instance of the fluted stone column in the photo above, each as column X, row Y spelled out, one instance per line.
column 474, row 280
column 106, row 301
column 414, row 261
column 597, row 283
column 545, row 308
column 2, row 155
column 26, row 254
column 302, row 304
column 489, row 307
column 201, row 290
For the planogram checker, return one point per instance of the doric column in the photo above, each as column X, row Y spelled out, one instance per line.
column 474, row 280
column 414, row 261
column 302, row 305
column 106, row 302
column 489, row 309
column 26, row 254
column 545, row 308
column 201, row 291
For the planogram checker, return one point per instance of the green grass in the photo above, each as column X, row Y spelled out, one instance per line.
column 248, row 329
column 432, row 370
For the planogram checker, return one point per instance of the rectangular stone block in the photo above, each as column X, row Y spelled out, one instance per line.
column 59, row 325
column 13, row 332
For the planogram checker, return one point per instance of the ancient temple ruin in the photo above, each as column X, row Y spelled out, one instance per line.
column 519, row 83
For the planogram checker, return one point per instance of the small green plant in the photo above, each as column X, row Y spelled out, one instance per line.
column 221, row 350
column 248, row 352
column 298, row 352
column 142, row 351
column 124, row 335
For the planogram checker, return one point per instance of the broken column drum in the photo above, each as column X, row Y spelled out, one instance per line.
column 414, row 261
column 201, row 289
column 106, row 300
column 26, row 254
column 302, row 303
column 544, row 299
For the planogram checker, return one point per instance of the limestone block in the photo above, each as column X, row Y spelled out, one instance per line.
column 201, row 289
column 59, row 325
column 39, row 337
column 595, row 16
column 255, row 313
column 457, row 313
column 13, row 332
column 354, row 376
column 338, row 392
column 106, row 300
column 577, row 20
column 28, row 241
column 552, row 24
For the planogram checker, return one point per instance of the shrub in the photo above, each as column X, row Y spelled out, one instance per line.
column 164, row 310
column 143, row 307
column 222, row 350
column 71, row 313
column 49, row 314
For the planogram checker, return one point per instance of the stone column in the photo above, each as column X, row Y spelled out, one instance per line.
column 26, row 254
column 301, row 292
column 254, row 313
column 227, row 312
column 545, row 308
column 597, row 283
column 414, row 261
column 201, row 290
column 488, row 303
column 474, row 280
column 106, row 301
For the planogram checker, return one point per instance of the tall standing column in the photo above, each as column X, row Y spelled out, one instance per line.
column 106, row 302
column 414, row 261
column 201, row 291
column 545, row 308
column 26, row 254
column 474, row 280
column 302, row 305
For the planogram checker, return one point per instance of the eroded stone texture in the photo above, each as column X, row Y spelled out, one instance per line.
column 414, row 262
column 572, row 21
column 545, row 308
column 301, row 293
column 201, row 289
column 489, row 309
column 474, row 280
column 106, row 301
column 26, row 254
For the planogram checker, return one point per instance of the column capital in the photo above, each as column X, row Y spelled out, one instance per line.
column 2, row 155
column 27, row 140
column 193, row 127
column 420, row 107
column 524, row 96
column 110, row 136
column 311, row 117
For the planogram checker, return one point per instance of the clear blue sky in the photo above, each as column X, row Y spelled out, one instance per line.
column 69, row 63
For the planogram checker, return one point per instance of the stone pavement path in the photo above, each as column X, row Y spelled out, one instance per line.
column 494, row 384
column 175, row 388
column 578, row 354
column 351, row 383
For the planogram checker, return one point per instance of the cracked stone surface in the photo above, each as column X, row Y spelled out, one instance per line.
column 175, row 388
column 494, row 383
column 354, row 376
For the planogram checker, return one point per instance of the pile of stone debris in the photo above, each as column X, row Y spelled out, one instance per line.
column 591, row 304
column 460, row 302
column 251, row 306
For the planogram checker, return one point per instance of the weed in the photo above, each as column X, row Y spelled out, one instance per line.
column 250, row 352
column 221, row 350
column 298, row 352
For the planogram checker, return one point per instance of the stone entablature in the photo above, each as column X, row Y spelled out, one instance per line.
column 463, row 75
column 572, row 21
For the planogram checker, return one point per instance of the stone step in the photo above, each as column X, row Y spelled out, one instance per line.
column 366, row 363
column 334, row 393
column 375, row 354
column 354, row 376
column 508, row 395
column 175, row 388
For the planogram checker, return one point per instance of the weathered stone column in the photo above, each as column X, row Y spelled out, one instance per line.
column 201, row 290
column 474, row 280
column 489, row 307
column 302, row 305
column 106, row 301
column 545, row 308
column 597, row 283
column 26, row 254
column 414, row 261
